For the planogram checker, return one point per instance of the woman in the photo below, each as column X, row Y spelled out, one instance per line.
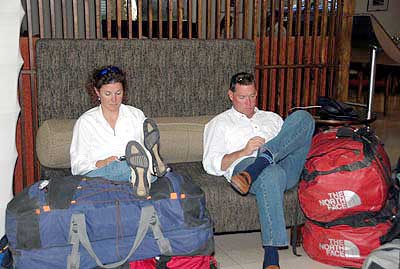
column 106, row 135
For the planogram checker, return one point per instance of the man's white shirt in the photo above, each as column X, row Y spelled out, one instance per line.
column 230, row 131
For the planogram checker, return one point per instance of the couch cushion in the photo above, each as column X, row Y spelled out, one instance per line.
column 181, row 140
column 181, row 146
column 230, row 211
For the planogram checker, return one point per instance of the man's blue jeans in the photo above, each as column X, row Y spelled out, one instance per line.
column 116, row 170
column 289, row 150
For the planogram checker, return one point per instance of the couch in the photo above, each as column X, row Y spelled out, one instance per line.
column 182, row 84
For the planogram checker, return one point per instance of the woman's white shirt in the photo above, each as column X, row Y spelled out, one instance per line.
column 94, row 139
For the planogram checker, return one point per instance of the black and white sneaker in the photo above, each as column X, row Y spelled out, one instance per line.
column 139, row 163
column 152, row 144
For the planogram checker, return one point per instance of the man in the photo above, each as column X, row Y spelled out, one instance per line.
column 259, row 153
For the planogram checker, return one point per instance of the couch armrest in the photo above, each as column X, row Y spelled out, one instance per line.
column 53, row 141
column 181, row 140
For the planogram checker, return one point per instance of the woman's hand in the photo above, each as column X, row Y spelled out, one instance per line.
column 101, row 163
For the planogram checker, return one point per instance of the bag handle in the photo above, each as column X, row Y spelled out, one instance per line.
column 369, row 142
column 78, row 235
column 176, row 181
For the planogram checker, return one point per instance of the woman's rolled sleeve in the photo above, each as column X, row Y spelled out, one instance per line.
column 80, row 144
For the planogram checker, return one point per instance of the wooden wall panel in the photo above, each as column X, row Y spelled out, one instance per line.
column 298, row 60
column 285, row 89
column 26, row 171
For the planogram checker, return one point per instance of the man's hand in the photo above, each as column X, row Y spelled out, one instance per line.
column 101, row 163
column 253, row 144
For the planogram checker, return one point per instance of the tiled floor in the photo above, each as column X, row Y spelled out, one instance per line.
column 388, row 129
column 244, row 250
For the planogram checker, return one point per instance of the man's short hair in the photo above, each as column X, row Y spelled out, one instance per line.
column 242, row 78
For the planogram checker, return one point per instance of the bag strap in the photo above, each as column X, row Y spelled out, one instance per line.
column 162, row 262
column 78, row 235
column 369, row 142
column 390, row 212
column 294, row 236
column 307, row 176
column 362, row 219
column 176, row 181
column 394, row 231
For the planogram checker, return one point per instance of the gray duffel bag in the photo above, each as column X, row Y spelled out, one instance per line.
column 386, row 256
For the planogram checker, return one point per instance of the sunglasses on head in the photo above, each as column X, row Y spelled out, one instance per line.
column 109, row 69
column 239, row 78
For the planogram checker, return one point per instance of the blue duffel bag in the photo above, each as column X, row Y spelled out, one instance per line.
column 77, row 222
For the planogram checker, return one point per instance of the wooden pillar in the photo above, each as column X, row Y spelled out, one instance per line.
column 343, row 49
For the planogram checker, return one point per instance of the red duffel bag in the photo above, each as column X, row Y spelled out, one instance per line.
column 176, row 262
column 342, row 245
column 347, row 172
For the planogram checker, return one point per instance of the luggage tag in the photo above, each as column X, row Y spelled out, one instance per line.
column 43, row 186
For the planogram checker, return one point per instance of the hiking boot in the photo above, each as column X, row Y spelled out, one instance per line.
column 152, row 144
column 241, row 182
column 139, row 163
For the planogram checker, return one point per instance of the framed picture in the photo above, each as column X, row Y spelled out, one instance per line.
column 377, row 5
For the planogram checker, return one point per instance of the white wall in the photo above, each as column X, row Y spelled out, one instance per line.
column 11, row 14
column 389, row 19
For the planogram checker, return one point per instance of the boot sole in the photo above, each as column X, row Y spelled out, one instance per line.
column 139, row 163
column 151, row 142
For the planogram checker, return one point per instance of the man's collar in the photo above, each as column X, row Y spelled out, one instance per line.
column 241, row 115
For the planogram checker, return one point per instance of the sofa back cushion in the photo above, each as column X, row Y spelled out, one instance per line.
column 165, row 78
column 181, row 140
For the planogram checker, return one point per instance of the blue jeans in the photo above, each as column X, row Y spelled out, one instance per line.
column 289, row 150
column 116, row 170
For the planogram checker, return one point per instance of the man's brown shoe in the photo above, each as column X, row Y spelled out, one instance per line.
column 241, row 182
column 272, row 267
